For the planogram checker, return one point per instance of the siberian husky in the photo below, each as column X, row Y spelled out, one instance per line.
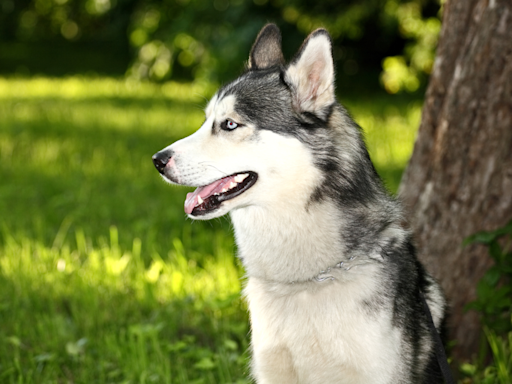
column 333, row 283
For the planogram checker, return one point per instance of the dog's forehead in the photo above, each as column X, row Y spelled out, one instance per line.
column 221, row 105
column 254, row 88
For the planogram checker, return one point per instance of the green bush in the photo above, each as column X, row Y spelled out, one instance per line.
column 494, row 290
column 210, row 40
column 494, row 305
column 500, row 370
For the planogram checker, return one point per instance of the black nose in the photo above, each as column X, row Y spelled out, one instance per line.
column 160, row 159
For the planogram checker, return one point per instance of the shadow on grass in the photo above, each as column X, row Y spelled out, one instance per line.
column 62, row 159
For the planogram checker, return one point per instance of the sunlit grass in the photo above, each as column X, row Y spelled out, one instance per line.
column 103, row 278
column 81, row 88
column 390, row 138
column 82, row 313
column 389, row 126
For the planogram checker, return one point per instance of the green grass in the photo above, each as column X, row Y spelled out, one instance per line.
column 103, row 279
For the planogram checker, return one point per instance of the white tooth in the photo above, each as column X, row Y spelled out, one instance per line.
column 232, row 185
column 240, row 178
column 199, row 200
column 224, row 190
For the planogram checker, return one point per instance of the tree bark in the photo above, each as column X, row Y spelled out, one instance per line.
column 459, row 179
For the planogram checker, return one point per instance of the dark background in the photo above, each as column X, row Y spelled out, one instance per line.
column 208, row 40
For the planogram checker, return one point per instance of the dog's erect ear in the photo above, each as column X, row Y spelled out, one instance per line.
column 266, row 51
column 310, row 75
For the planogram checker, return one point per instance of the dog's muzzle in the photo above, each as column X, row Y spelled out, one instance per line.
column 161, row 159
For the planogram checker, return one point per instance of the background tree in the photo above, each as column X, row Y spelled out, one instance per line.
column 459, row 179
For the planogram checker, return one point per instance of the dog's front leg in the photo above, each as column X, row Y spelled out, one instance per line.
column 274, row 366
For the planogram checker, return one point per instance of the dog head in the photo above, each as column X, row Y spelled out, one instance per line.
column 252, row 148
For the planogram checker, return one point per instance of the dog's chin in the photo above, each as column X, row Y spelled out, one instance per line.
column 169, row 179
column 224, row 208
column 221, row 211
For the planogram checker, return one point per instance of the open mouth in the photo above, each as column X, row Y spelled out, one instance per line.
column 209, row 197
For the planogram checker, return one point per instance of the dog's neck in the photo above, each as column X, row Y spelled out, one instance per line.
column 276, row 245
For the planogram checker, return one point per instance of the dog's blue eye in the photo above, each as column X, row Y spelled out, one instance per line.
column 229, row 125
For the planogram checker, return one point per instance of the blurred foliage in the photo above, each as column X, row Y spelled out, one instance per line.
column 73, row 20
column 204, row 39
column 494, row 306
column 406, row 71
column 499, row 371
column 494, row 290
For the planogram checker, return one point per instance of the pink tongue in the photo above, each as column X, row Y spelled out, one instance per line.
column 204, row 192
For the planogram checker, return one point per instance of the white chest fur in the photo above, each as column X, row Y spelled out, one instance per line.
column 321, row 332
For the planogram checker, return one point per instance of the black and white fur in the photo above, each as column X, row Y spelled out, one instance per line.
column 333, row 283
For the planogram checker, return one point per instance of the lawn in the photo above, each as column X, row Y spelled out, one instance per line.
column 103, row 279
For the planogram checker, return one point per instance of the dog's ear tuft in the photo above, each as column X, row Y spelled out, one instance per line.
column 310, row 75
column 266, row 51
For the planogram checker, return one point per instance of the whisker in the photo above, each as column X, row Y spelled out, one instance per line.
column 213, row 166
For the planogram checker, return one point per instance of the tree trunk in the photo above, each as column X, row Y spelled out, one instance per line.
column 459, row 179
